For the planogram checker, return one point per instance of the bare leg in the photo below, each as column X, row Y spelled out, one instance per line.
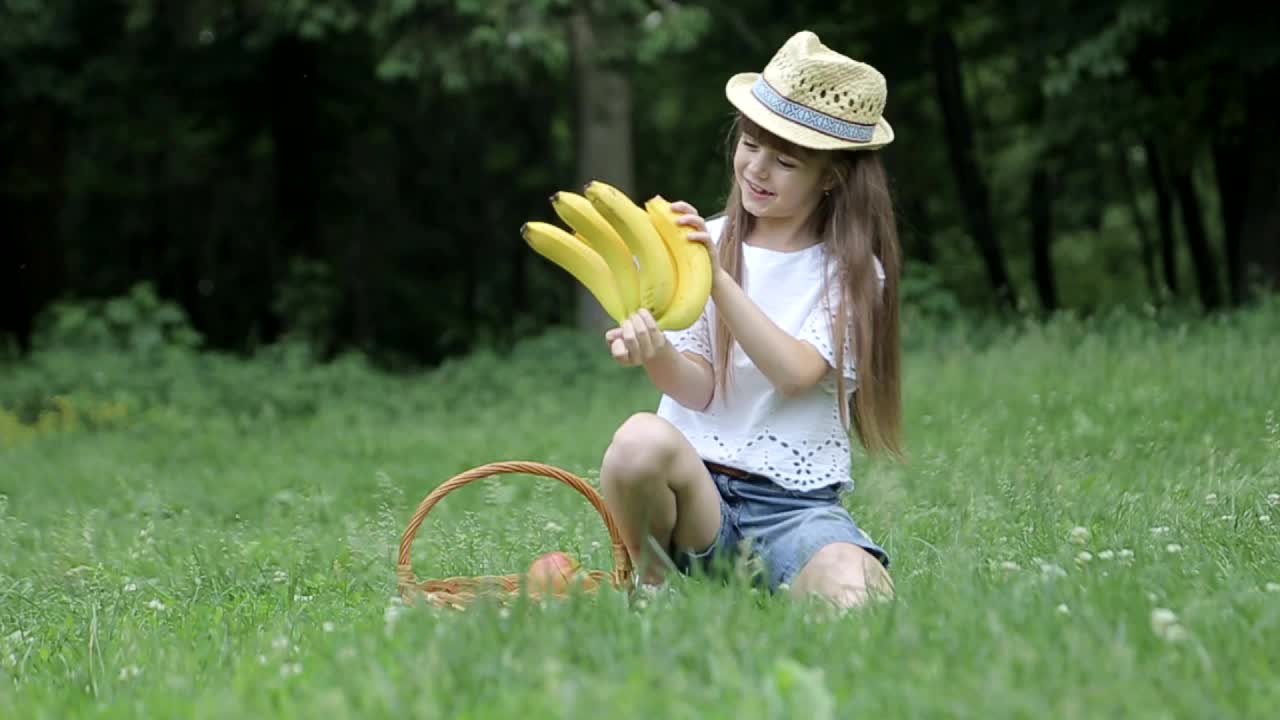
column 659, row 492
column 845, row 575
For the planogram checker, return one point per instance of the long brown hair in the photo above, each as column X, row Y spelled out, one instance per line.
column 856, row 222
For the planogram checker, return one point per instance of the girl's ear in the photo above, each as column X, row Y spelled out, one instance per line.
column 833, row 176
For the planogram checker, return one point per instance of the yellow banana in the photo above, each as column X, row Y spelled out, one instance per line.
column 693, row 267
column 657, row 271
column 583, row 263
column 591, row 226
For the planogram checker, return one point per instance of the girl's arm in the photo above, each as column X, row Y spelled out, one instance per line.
column 686, row 377
column 791, row 365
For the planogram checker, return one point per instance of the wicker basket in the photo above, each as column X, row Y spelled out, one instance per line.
column 458, row 592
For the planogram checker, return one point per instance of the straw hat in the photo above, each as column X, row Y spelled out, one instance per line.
column 815, row 97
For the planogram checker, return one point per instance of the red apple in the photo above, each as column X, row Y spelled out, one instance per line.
column 552, row 572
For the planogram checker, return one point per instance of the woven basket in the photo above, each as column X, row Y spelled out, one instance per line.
column 458, row 592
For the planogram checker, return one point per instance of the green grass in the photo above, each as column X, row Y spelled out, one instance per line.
column 201, row 537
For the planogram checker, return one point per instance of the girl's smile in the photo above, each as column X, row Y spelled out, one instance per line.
column 759, row 193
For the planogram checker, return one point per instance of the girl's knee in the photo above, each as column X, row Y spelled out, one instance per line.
column 845, row 575
column 643, row 447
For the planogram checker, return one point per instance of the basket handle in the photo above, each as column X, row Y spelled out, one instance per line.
column 621, row 559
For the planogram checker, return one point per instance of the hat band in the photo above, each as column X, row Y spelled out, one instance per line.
column 810, row 118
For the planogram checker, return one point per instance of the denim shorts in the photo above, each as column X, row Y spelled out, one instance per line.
column 780, row 528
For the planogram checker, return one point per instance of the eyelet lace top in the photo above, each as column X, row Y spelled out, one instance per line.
column 798, row 442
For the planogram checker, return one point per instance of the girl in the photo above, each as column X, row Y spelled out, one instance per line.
column 798, row 348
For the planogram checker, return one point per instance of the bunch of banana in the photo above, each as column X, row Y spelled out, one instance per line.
column 626, row 256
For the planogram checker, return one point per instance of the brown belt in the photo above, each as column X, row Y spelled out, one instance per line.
column 730, row 471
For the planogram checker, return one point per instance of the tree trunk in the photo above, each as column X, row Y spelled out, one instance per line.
column 918, row 229
column 1258, row 237
column 517, row 288
column 1164, row 216
column 297, row 173
column 1140, row 223
column 1206, row 268
column 972, row 186
column 603, row 134
column 1260, row 224
column 32, row 274
column 1231, row 168
column 1042, row 239
column 1026, row 22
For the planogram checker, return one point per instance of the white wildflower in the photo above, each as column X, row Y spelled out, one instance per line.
column 302, row 598
column 1211, row 499
column 1010, row 566
column 1126, row 554
column 1163, row 622
column 1052, row 570
column 1160, row 530
column 1106, row 554
column 1063, row 609
column 1084, row 557
column 1080, row 535
column 1264, row 519
column 1173, row 548
column 1228, row 518
column 130, row 671
column 131, row 587
column 327, row 626
column 391, row 614
column 1273, row 499
column 553, row 526
column 1273, row 587
column 281, row 577
column 280, row 643
column 155, row 604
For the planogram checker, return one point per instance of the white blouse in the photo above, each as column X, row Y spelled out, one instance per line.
column 798, row 442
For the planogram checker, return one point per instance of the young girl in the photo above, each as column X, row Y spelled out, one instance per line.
column 797, row 349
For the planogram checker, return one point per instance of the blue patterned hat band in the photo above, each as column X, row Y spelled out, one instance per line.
column 815, row 120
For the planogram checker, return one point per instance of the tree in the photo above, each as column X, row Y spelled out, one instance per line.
column 603, row 127
column 972, row 186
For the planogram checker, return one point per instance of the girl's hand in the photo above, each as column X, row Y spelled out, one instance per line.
column 637, row 340
column 689, row 216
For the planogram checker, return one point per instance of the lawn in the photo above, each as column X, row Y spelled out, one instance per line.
column 1088, row 526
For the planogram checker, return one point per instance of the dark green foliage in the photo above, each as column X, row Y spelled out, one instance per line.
column 353, row 176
